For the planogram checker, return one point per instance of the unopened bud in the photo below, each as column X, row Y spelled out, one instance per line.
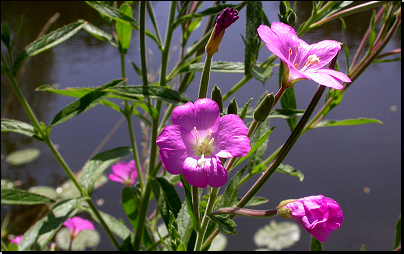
column 292, row 19
column 217, row 97
column 264, row 108
column 232, row 108
column 283, row 9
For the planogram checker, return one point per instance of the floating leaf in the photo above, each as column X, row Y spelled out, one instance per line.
column 21, row 197
column 84, row 239
column 23, row 156
column 277, row 236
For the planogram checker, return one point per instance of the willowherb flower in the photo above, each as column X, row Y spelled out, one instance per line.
column 319, row 215
column 301, row 60
column 16, row 239
column 223, row 21
column 198, row 137
column 77, row 224
column 124, row 173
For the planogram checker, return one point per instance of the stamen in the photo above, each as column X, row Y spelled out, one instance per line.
column 211, row 141
column 290, row 53
column 294, row 60
column 311, row 60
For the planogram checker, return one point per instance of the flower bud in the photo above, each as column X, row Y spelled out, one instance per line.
column 264, row 108
column 223, row 21
column 292, row 19
column 217, row 97
column 283, row 9
column 318, row 215
column 232, row 108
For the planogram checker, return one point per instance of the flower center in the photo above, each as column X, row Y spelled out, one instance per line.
column 203, row 147
column 311, row 60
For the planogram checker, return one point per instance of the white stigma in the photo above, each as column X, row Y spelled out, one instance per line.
column 311, row 60
column 203, row 146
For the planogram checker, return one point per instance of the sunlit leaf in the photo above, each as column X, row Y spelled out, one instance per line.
column 289, row 170
column 44, row 229
column 96, row 166
column 46, row 42
column 21, row 197
column 346, row 122
column 85, row 103
column 99, row 34
column 11, row 125
column 124, row 30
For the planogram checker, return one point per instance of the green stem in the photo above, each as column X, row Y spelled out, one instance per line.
column 203, row 88
column 237, row 86
column 195, row 203
column 205, row 220
column 153, row 146
column 313, row 18
column 260, row 214
column 58, row 157
column 142, row 41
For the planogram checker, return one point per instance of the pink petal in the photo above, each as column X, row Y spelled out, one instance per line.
column 273, row 42
column 324, row 79
column 115, row 178
column 216, row 174
column 231, row 139
column 173, row 151
column 195, row 175
column 82, row 224
column 325, row 50
column 336, row 74
column 121, row 170
column 207, row 114
column 185, row 116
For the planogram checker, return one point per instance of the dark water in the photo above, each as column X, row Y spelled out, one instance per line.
column 338, row 162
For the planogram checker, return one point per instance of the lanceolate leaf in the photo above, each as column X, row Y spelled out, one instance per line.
column 219, row 66
column 43, row 230
column 119, row 16
column 47, row 41
column 289, row 170
column 346, row 122
column 226, row 225
column 153, row 92
column 124, row 30
column 83, row 104
column 99, row 34
column 10, row 125
column 94, row 167
column 21, row 197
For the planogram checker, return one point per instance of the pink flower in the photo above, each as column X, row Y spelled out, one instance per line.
column 301, row 60
column 198, row 137
column 223, row 21
column 124, row 173
column 317, row 214
column 77, row 224
column 16, row 240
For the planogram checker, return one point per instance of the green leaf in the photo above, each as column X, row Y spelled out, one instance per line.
column 21, row 197
column 397, row 240
column 83, row 104
column 243, row 112
column 46, row 42
column 229, row 197
column 5, row 35
column 207, row 12
column 167, row 198
column 17, row 31
column 99, row 34
column 84, row 239
column 96, row 166
column 346, row 50
column 11, row 125
column 289, row 170
column 252, row 41
column 315, row 245
column 277, row 236
column 261, row 136
column 130, row 203
column 261, row 74
column 188, row 200
column 346, row 122
column 255, row 201
column 153, row 92
column 117, row 15
column 288, row 101
column 123, row 29
column 336, row 96
column 226, row 225
column 363, row 248
column 44, row 229
column 185, row 224
column 23, row 156
column 255, row 147
column 219, row 66
column 116, row 227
